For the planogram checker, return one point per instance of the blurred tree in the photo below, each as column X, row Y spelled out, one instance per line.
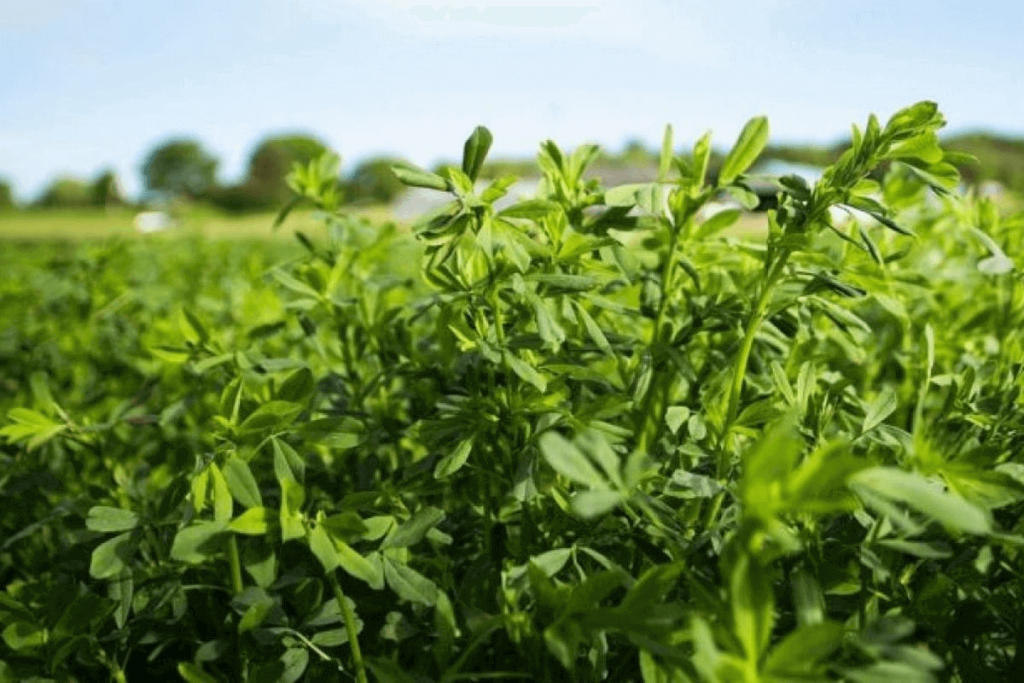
column 6, row 196
column 372, row 180
column 999, row 158
column 180, row 167
column 106, row 190
column 244, row 198
column 264, row 186
column 636, row 152
column 65, row 193
column 272, row 160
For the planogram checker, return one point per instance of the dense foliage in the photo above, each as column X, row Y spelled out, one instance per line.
column 180, row 167
column 591, row 437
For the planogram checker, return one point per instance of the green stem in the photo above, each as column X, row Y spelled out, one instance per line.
column 667, row 275
column 236, row 565
column 651, row 412
column 350, row 627
column 714, row 507
column 452, row 671
column 757, row 317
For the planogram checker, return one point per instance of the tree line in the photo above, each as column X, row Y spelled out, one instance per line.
column 183, row 168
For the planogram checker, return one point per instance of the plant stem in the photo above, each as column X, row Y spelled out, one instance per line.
column 350, row 627
column 236, row 565
column 757, row 317
column 652, row 410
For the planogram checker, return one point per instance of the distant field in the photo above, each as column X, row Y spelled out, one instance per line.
column 87, row 225
column 90, row 225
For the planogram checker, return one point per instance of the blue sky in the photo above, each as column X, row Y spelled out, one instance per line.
column 89, row 84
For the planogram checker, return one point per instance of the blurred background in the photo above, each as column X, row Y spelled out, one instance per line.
column 111, row 107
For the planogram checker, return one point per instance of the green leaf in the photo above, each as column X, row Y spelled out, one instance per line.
column 912, row 117
column 285, row 211
column 804, row 648
column 808, row 600
column 550, row 331
column 344, row 526
column 451, row 463
column 364, row 568
column 11, row 608
column 293, row 495
column 295, row 285
column 675, row 417
column 753, row 605
column 197, row 543
column 594, row 330
column 260, row 561
column 414, row 529
column 254, row 615
column 110, row 558
column 322, row 546
column 31, row 426
column 107, row 519
column 747, row 198
column 924, row 496
column 752, row 140
column 330, row 638
column 297, row 387
column 701, row 158
column 927, row 551
column 122, row 591
column 880, row 408
column 665, row 159
column 552, row 561
column 271, row 415
column 589, row 504
column 569, row 461
column 408, row 583
column 288, row 464
column 626, row 195
column 333, row 553
column 717, row 223
column 924, row 147
column 253, row 522
column 294, row 662
column 996, row 264
column 194, row 674
column 771, row 459
column 223, row 504
column 416, row 177
column 23, row 635
column 529, row 209
column 241, row 482
column 525, row 371
column 562, row 282
column 192, row 329
column 475, row 151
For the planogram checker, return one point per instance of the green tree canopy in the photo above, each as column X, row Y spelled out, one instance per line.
column 6, row 195
column 373, row 180
column 65, row 192
column 181, row 167
column 272, row 160
column 106, row 190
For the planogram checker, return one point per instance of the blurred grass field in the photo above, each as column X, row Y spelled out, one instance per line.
column 78, row 225
column 85, row 225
